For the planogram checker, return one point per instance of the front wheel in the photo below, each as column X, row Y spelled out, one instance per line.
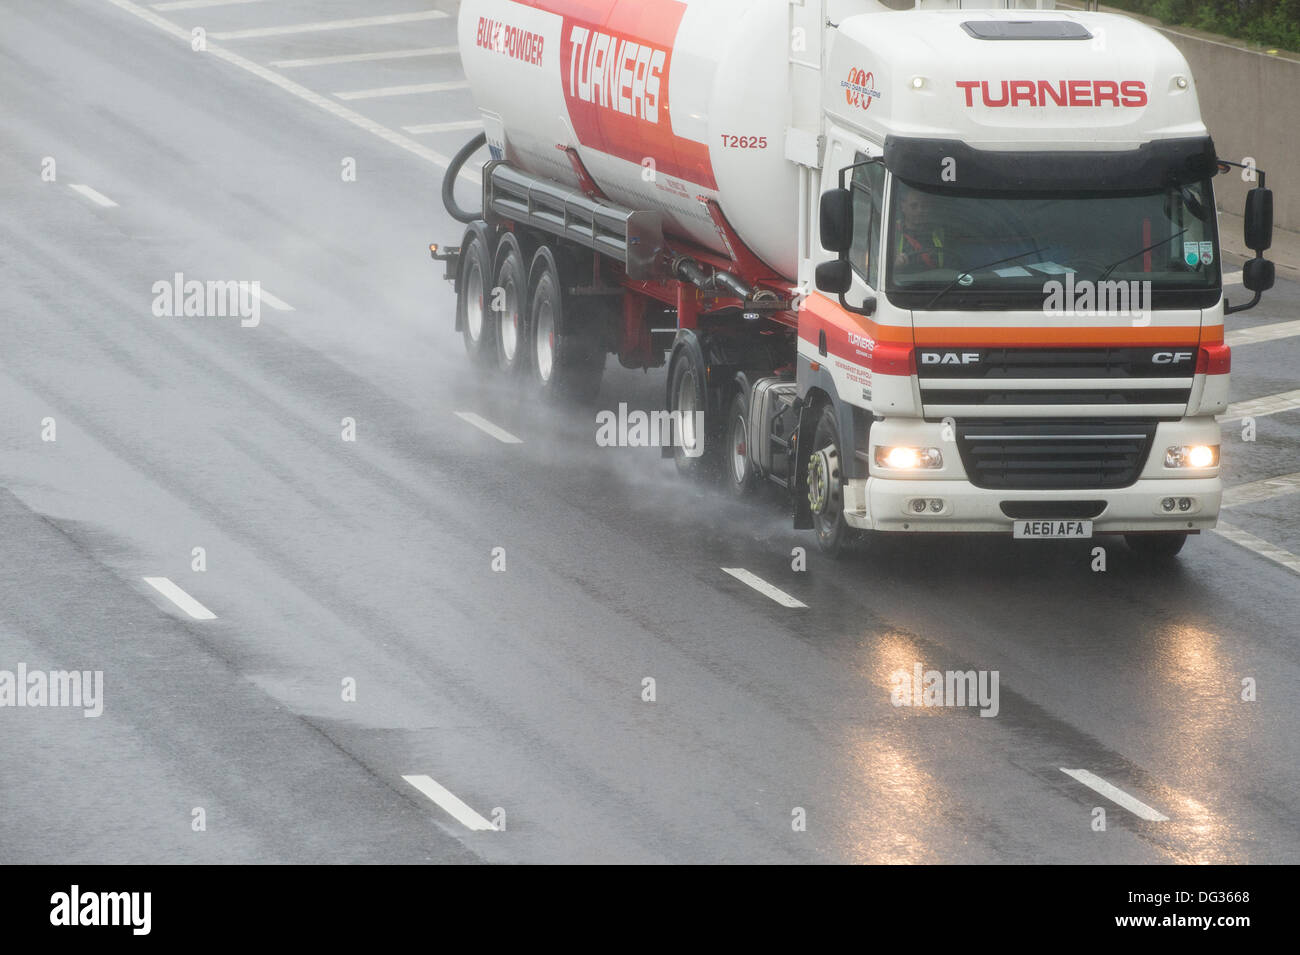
column 826, row 487
column 1156, row 547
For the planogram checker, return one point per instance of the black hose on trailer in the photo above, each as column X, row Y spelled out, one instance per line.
column 453, row 171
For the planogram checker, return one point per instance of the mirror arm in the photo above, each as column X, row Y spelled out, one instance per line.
column 867, row 308
column 1228, row 308
column 1228, row 162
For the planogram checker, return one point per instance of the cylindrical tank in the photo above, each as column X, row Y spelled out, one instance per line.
column 667, row 102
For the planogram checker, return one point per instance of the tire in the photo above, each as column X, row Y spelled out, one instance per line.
column 741, row 476
column 1156, row 548
column 826, row 489
column 510, row 325
column 472, row 314
column 565, row 356
column 687, row 396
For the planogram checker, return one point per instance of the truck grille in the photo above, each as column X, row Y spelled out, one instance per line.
column 1148, row 381
column 1042, row 454
column 1054, row 396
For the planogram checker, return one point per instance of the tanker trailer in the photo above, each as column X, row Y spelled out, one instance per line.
column 943, row 270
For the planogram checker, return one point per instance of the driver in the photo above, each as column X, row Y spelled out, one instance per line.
column 920, row 236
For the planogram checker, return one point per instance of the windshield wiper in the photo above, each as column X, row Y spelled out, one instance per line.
column 1114, row 265
column 979, row 268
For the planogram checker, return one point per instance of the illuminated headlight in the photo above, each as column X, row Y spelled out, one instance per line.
column 1192, row 456
column 907, row 459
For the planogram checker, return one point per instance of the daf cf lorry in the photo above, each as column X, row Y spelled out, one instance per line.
column 939, row 270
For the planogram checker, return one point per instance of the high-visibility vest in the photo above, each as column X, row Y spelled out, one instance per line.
column 932, row 258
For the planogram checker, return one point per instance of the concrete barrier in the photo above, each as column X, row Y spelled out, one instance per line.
column 1251, row 105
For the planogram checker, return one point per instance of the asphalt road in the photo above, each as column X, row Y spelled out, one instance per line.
column 365, row 568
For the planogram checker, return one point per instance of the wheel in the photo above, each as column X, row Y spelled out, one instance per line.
column 698, row 447
column 510, row 293
column 1156, row 547
column 567, row 359
column 476, row 326
column 826, row 487
column 742, row 478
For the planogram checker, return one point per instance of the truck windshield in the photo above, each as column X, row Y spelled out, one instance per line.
column 982, row 246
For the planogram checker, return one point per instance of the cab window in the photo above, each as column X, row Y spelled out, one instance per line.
column 868, row 187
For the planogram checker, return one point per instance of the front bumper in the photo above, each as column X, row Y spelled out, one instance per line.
column 887, row 505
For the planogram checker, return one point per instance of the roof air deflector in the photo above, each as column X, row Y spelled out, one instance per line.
column 1026, row 30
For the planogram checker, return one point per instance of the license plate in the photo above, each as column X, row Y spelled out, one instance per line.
column 1052, row 530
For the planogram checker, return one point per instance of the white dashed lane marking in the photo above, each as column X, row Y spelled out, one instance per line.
column 96, row 197
column 1116, row 795
column 1258, row 407
column 1262, row 333
column 328, row 25
column 404, row 90
column 464, row 125
column 278, row 304
column 1258, row 545
column 462, row 813
column 180, row 598
column 1261, row 490
column 198, row 4
column 289, row 86
column 487, row 427
column 365, row 57
column 763, row 587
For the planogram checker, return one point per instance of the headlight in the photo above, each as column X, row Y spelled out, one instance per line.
column 1192, row 456
column 906, row 459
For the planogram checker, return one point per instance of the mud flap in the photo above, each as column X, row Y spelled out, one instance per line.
column 803, row 436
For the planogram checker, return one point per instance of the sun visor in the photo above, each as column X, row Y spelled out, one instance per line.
column 951, row 164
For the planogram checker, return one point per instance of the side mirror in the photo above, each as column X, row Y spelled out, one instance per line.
column 835, row 276
column 837, row 220
column 1259, row 220
column 1257, row 274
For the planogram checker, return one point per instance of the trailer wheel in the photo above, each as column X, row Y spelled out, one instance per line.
column 826, row 488
column 567, row 360
column 510, row 293
column 741, row 475
column 697, row 447
column 1156, row 547
column 473, row 317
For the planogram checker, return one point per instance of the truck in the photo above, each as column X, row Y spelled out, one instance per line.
column 952, row 269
